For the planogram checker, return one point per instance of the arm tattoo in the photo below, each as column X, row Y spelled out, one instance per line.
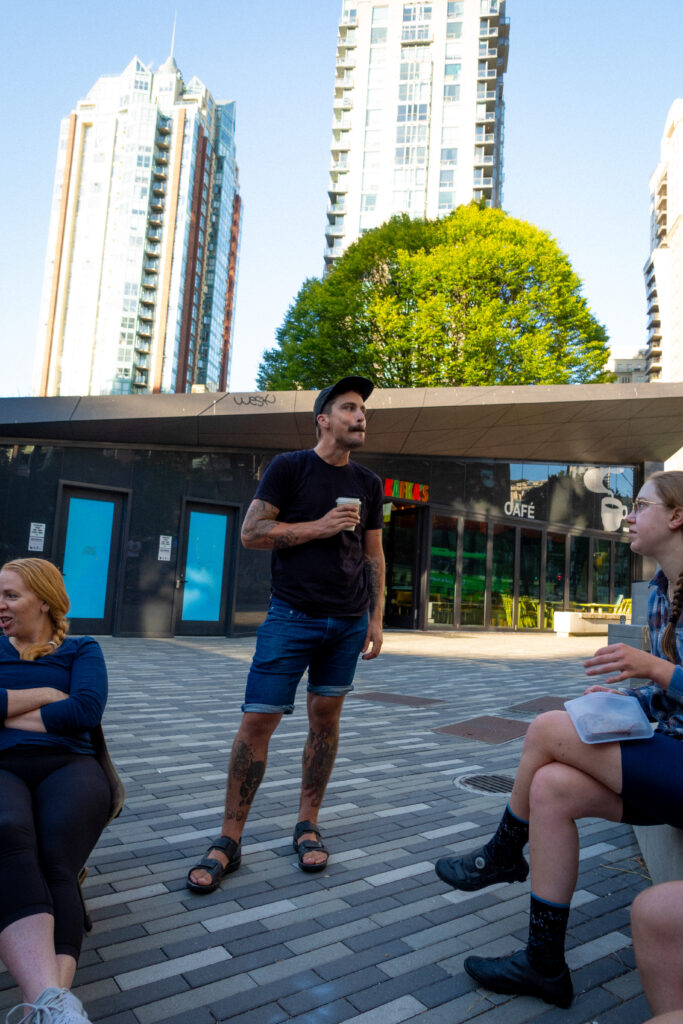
column 374, row 580
column 259, row 523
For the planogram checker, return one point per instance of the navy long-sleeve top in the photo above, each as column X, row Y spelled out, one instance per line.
column 76, row 667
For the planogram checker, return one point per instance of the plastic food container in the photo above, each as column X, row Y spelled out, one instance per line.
column 608, row 718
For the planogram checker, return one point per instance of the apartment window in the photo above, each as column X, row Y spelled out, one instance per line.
column 446, row 201
column 368, row 202
column 453, row 30
column 411, row 155
column 378, row 36
column 449, row 156
column 372, row 140
column 446, row 179
column 373, row 118
column 414, row 92
column 376, row 78
column 411, row 133
column 455, row 9
column 411, row 112
column 380, row 15
column 451, row 93
column 452, row 71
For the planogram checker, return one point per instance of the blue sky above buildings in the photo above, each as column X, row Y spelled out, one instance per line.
column 587, row 91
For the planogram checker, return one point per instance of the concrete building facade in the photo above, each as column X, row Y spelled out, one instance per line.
column 418, row 112
column 143, row 242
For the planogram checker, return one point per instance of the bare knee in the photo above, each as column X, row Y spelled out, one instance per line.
column 257, row 727
column 545, row 728
column 324, row 712
column 551, row 788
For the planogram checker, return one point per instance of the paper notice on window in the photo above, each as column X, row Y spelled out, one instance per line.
column 165, row 546
column 36, row 537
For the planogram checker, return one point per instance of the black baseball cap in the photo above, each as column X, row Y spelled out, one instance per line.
column 362, row 385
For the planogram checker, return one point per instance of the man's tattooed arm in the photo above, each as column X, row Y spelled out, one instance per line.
column 262, row 529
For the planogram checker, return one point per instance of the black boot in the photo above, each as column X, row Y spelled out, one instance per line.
column 514, row 975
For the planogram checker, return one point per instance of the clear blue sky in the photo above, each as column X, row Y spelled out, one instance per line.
column 587, row 91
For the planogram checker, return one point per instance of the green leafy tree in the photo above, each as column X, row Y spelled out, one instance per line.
column 476, row 298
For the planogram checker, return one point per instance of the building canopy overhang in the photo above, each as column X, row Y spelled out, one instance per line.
column 605, row 423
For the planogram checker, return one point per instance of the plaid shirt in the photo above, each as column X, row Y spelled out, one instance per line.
column 663, row 706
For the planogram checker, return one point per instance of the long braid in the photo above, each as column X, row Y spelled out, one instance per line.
column 669, row 637
column 60, row 628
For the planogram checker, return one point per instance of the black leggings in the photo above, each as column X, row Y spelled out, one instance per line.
column 53, row 807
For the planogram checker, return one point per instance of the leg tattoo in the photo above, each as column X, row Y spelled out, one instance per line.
column 317, row 763
column 245, row 776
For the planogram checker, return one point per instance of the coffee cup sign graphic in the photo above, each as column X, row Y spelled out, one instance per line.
column 612, row 509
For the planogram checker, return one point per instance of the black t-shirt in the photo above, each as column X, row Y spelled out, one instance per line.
column 321, row 577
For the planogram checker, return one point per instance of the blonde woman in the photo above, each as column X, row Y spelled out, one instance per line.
column 54, row 796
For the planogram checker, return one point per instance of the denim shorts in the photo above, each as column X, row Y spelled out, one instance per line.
column 288, row 642
column 652, row 781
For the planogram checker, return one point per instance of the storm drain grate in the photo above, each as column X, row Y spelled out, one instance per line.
column 486, row 783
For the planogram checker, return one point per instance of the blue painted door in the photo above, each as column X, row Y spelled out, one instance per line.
column 204, row 579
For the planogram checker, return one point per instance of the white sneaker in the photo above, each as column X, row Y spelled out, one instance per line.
column 62, row 1008
column 30, row 1014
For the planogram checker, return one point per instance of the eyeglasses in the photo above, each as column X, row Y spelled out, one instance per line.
column 640, row 504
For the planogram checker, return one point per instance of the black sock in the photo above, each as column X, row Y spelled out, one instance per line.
column 506, row 846
column 547, row 929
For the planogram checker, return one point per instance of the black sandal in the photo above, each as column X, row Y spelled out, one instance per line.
column 213, row 867
column 308, row 845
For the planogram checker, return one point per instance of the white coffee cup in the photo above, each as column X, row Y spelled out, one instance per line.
column 354, row 503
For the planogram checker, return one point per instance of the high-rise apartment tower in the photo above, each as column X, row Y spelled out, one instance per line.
column 143, row 243
column 418, row 112
column 664, row 268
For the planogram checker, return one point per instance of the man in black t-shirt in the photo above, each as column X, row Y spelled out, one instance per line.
column 327, row 575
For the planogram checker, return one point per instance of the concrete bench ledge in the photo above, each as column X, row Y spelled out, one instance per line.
column 662, row 850
column 580, row 624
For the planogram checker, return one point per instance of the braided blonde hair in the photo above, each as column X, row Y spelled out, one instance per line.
column 47, row 583
column 669, row 487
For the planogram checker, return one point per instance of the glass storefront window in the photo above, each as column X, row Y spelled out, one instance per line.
column 442, row 570
column 399, row 608
column 601, row 556
column 529, row 605
column 578, row 571
column 503, row 576
column 554, row 576
column 473, row 584
column 622, row 571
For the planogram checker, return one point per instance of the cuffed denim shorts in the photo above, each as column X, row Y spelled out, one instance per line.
column 288, row 642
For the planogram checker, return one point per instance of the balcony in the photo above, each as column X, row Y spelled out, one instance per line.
column 482, row 182
column 146, row 316
column 483, row 160
column 154, row 217
column 334, row 231
column 151, row 266
column 484, row 74
column 162, row 161
column 144, row 330
column 485, row 116
column 333, row 252
column 484, row 136
column 153, row 248
column 336, row 208
column 159, row 188
column 486, row 94
column 147, row 298
column 341, row 124
column 346, row 60
column 164, row 128
column 163, row 143
column 140, row 361
column 343, row 103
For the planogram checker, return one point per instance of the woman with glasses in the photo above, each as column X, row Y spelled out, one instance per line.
column 560, row 779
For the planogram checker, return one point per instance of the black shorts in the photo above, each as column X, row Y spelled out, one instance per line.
column 652, row 786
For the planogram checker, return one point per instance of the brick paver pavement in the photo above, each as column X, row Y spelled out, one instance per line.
column 376, row 938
